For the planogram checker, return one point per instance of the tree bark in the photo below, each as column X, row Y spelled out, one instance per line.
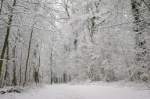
column 14, row 80
column 6, row 37
column 6, row 75
column 139, row 29
column 27, row 60
column 20, row 70
column 1, row 6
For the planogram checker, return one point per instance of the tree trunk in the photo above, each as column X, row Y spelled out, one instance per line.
column 139, row 29
column 6, row 37
column 6, row 75
column 27, row 60
column 1, row 6
column 20, row 70
column 51, row 67
column 14, row 80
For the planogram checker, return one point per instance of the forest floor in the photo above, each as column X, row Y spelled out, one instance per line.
column 81, row 91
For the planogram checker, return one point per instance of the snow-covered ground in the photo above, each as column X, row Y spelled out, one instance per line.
column 87, row 91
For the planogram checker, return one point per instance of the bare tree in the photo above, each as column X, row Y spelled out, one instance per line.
column 10, row 19
column 28, row 55
column 140, row 40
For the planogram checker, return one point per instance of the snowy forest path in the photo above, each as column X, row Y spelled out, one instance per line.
column 81, row 92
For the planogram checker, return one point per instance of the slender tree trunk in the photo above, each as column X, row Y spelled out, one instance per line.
column 6, row 76
column 39, row 68
column 36, row 72
column 14, row 80
column 51, row 68
column 20, row 70
column 1, row 7
column 66, row 7
column 139, row 29
column 27, row 60
column 7, row 36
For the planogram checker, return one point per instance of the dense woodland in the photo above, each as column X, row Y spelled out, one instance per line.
column 58, row 41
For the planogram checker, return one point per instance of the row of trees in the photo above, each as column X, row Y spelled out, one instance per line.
column 57, row 41
column 23, row 25
column 106, row 39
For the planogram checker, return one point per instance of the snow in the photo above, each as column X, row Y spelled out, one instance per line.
column 87, row 91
